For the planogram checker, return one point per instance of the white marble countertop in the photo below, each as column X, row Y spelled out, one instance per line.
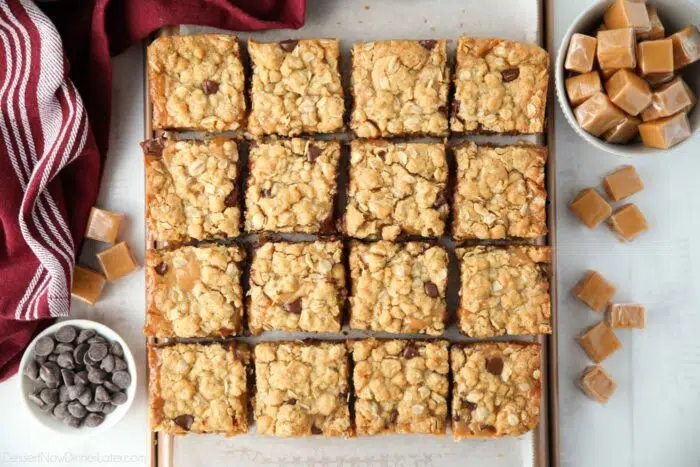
column 652, row 418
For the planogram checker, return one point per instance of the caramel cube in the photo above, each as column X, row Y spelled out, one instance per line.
column 624, row 131
column 623, row 183
column 655, row 57
column 597, row 384
column 594, row 291
column 581, row 87
column 599, row 342
column 665, row 132
column 606, row 74
column 590, row 207
column 617, row 49
column 657, row 30
column 657, row 79
column 628, row 14
column 628, row 222
column 87, row 284
column 670, row 99
column 117, row 261
column 581, row 53
column 103, row 225
column 626, row 315
column 686, row 46
column 628, row 91
column 598, row 114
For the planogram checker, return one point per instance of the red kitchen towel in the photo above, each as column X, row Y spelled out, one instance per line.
column 55, row 84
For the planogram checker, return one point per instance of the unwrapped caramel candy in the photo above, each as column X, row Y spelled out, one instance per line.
column 599, row 342
column 628, row 91
column 117, row 261
column 598, row 114
column 581, row 53
column 657, row 30
column 665, row 132
column 626, row 315
column 686, row 46
column 103, row 225
column 655, row 57
column 617, row 49
column 594, row 291
column 597, row 384
column 628, row 14
column 590, row 207
column 624, row 131
column 628, row 222
column 623, row 183
column 87, row 284
column 581, row 87
column 656, row 79
column 670, row 99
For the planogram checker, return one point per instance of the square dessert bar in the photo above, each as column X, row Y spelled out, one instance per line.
column 192, row 190
column 504, row 291
column 296, row 286
column 197, row 82
column 496, row 389
column 500, row 87
column 296, row 87
column 500, row 192
column 396, row 189
column 199, row 388
column 194, row 291
column 292, row 186
column 401, row 386
column 398, row 287
column 302, row 389
column 399, row 88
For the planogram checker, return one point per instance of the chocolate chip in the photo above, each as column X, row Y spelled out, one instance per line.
column 101, row 394
column 116, row 349
column 97, row 352
column 288, row 45
column 65, row 360
column 62, row 347
column 381, row 154
column 72, row 421
column 442, row 109
column 107, row 363
column 291, row 401
column 109, row 408
column 327, row 224
column 49, row 372
column 231, row 199
column 494, row 365
column 393, row 416
column 510, row 74
column 431, row 290
column 36, row 400
column 52, row 358
column 118, row 398
column 267, row 192
column 94, row 419
column 86, row 397
column 61, row 410
column 97, row 376
column 313, row 152
column 48, row 407
column 86, row 334
column 50, row 396
column 79, row 354
column 152, row 147
column 455, row 107
column 316, row 430
column 428, row 44
column 293, row 307
column 53, row 384
column 184, row 421
column 81, row 377
column 121, row 379
column 76, row 410
column 95, row 406
column 210, row 86
column 44, row 346
column 410, row 351
column 110, row 386
column 66, row 334
column 161, row 269
column 119, row 364
column 31, row 370
column 75, row 391
column 63, row 393
column 440, row 199
column 40, row 360
column 487, row 428
column 97, row 340
column 470, row 406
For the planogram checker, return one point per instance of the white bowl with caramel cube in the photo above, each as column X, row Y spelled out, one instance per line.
column 628, row 72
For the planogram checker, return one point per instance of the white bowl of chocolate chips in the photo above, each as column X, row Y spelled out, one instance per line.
column 77, row 377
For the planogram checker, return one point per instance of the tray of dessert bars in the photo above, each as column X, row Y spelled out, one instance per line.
column 350, row 239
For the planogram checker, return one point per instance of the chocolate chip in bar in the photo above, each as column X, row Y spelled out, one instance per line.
column 410, row 351
column 210, row 87
column 431, row 290
column 510, row 74
column 184, row 421
column 152, row 147
column 161, row 269
column 494, row 365
column 231, row 199
column 312, row 153
column 288, row 45
column 293, row 307
column 428, row 44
